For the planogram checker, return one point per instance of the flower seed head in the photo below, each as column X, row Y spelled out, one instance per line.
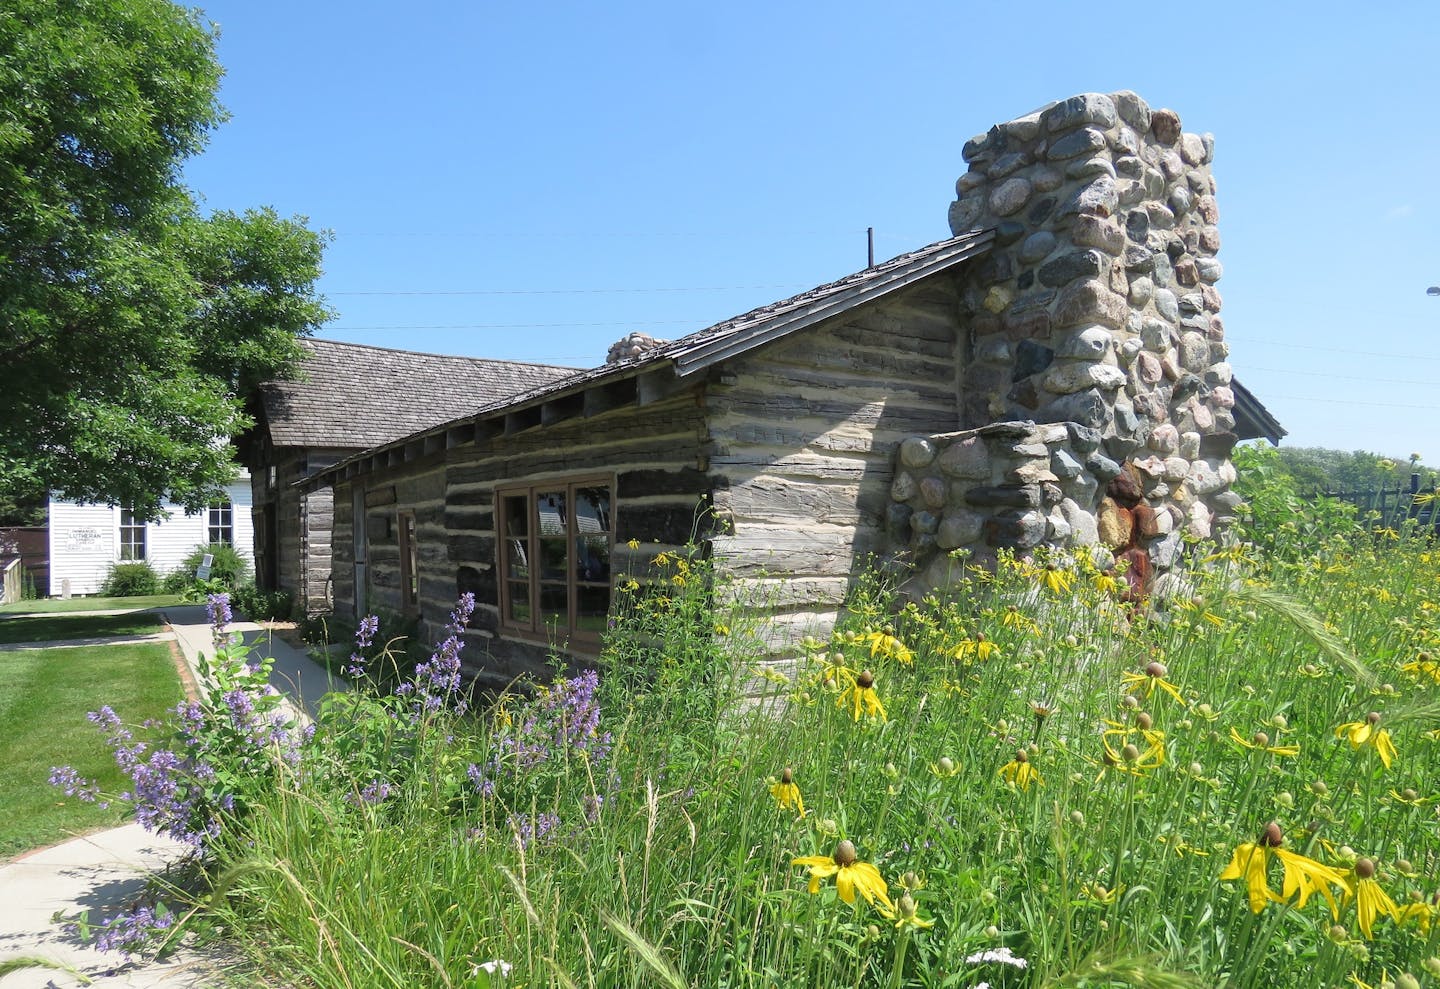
column 1156, row 670
column 1130, row 702
column 946, row 765
column 1280, row 721
column 1404, row 866
column 905, row 906
column 1130, row 753
column 865, row 680
column 1373, row 718
column 1409, row 794
column 1319, row 788
column 1144, row 721
column 1365, row 869
column 787, row 776
column 1022, row 756
column 1273, row 836
column 1077, row 818
column 1260, row 738
column 845, row 854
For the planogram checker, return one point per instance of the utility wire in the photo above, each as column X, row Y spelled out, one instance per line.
column 582, row 291
column 1340, row 401
column 1338, row 350
column 1344, row 377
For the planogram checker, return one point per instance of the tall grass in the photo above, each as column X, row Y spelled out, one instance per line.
column 1036, row 794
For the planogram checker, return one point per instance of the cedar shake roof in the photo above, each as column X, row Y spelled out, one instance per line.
column 355, row 396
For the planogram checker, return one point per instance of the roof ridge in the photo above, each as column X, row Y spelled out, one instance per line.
column 430, row 353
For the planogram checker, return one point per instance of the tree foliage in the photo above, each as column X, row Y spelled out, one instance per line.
column 130, row 325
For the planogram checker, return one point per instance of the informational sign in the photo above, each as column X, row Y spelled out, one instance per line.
column 202, row 572
column 82, row 539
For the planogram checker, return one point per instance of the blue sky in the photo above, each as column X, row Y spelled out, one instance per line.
column 532, row 181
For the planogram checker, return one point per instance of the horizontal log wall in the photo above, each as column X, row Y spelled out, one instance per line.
column 803, row 435
column 654, row 454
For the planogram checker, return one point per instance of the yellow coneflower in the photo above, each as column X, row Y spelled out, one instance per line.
column 1303, row 876
column 978, row 649
column 907, row 914
column 1153, row 676
column 886, row 646
column 851, row 875
column 787, row 793
column 1370, row 900
column 1423, row 665
column 860, row 698
column 1055, row 579
column 1368, row 733
column 1021, row 771
column 1261, row 741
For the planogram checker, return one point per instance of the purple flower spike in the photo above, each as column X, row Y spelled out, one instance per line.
column 217, row 606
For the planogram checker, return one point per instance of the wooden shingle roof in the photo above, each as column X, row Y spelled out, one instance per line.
column 355, row 396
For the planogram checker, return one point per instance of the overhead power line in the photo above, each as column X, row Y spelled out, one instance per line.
column 578, row 291
column 1338, row 350
column 1343, row 377
column 1340, row 401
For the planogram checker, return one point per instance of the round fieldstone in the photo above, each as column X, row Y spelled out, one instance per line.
column 1046, row 178
column 1164, row 440
column 1098, row 197
column 1141, row 291
column 1148, row 369
column 1087, row 108
column 903, row 488
column 1166, row 304
column 1037, row 246
column 1010, row 196
column 1192, row 149
column 1194, row 351
column 924, row 522
column 968, row 458
column 917, row 452
column 1210, row 270
column 964, row 213
column 1165, row 126
column 959, row 527
column 932, row 493
column 1090, row 343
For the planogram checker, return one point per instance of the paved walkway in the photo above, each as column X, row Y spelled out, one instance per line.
column 108, row 869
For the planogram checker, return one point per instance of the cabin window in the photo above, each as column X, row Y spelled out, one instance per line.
column 409, row 564
column 221, row 523
column 132, row 536
column 554, row 558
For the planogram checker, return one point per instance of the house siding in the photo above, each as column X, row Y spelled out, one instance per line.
column 303, row 521
column 803, row 436
column 84, row 561
column 653, row 453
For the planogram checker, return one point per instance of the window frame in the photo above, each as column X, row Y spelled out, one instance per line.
column 131, row 534
column 536, row 627
column 226, row 512
column 406, row 537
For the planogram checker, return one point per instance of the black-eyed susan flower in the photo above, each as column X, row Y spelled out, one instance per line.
column 1152, row 678
column 1260, row 741
column 1021, row 771
column 860, row 698
column 979, row 649
column 907, row 914
column 1370, row 900
column 886, row 646
column 851, row 875
column 1368, row 733
column 787, row 793
column 1418, row 912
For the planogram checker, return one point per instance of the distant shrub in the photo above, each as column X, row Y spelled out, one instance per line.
column 228, row 566
column 177, row 581
column 263, row 606
column 126, row 580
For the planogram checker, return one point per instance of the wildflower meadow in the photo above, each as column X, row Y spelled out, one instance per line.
column 1032, row 780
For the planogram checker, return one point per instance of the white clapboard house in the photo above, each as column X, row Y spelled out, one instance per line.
column 87, row 540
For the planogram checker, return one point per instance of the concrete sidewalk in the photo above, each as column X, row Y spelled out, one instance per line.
column 107, row 870
column 294, row 674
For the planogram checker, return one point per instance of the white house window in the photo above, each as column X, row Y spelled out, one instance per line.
column 555, row 543
column 132, row 536
column 221, row 523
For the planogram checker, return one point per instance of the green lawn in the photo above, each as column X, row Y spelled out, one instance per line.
column 49, row 605
column 57, row 627
column 44, row 696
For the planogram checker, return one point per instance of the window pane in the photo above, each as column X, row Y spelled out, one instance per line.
column 516, row 519
column 592, row 509
column 550, row 508
column 515, row 516
column 592, row 558
column 593, row 603
column 519, row 601
column 553, row 558
column 554, row 608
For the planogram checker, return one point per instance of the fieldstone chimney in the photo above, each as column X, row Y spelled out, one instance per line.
column 632, row 345
column 1095, row 340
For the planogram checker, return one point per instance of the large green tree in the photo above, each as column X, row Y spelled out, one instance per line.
column 131, row 326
